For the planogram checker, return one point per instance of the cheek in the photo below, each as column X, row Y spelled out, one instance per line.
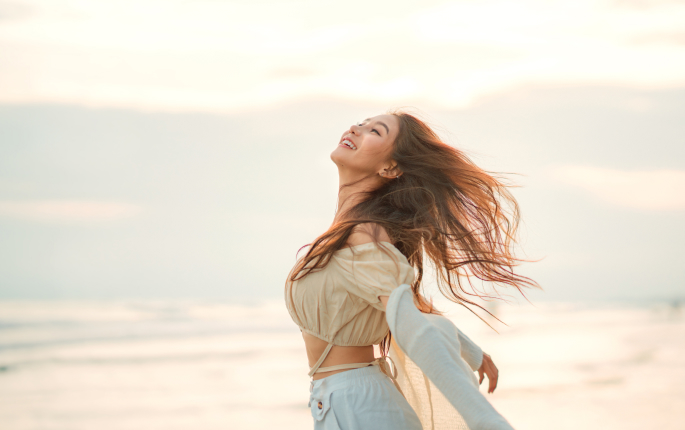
column 378, row 151
column 370, row 156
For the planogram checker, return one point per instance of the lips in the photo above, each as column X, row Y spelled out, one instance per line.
column 347, row 143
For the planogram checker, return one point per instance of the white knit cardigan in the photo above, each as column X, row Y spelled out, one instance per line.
column 435, row 368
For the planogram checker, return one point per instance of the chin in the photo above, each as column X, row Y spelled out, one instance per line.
column 336, row 156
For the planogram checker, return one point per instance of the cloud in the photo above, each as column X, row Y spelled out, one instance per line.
column 649, row 190
column 14, row 11
column 67, row 211
column 243, row 55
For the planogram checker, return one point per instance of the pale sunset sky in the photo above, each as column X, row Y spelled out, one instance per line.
column 173, row 149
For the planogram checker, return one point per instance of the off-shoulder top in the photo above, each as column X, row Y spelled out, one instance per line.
column 340, row 303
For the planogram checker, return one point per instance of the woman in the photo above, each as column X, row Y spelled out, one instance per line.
column 403, row 194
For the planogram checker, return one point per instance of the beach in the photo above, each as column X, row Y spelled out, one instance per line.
column 218, row 365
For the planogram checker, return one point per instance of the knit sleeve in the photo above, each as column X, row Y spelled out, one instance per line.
column 470, row 352
column 431, row 342
column 370, row 273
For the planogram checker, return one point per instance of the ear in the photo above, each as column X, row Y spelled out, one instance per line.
column 390, row 171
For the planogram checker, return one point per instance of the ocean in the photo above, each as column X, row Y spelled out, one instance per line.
column 72, row 365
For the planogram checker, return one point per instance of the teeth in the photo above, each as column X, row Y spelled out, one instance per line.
column 349, row 144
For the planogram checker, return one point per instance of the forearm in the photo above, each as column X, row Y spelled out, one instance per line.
column 438, row 356
column 470, row 352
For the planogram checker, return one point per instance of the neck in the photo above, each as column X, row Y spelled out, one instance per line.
column 350, row 195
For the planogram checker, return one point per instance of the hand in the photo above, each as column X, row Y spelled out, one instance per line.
column 488, row 368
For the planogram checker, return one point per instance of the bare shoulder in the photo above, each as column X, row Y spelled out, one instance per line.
column 364, row 233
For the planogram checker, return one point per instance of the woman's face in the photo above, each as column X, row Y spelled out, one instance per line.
column 365, row 148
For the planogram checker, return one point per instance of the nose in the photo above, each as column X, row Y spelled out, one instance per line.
column 354, row 128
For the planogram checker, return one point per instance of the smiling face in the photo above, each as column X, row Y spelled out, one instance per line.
column 366, row 148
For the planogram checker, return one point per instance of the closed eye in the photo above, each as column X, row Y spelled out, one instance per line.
column 374, row 130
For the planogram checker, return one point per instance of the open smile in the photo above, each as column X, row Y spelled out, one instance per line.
column 347, row 143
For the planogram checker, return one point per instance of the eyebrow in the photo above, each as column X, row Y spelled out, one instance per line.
column 387, row 130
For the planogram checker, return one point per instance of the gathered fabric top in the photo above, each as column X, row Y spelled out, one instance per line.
column 340, row 303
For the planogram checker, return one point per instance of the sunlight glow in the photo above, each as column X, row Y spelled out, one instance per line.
column 67, row 210
column 227, row 56
column 650, row 190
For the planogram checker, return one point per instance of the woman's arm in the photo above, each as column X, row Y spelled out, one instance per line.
column 478, row 360
column 435, row 351
column 470, row 351
column 474, row 357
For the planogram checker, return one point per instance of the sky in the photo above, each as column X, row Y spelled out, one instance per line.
column 181, row 148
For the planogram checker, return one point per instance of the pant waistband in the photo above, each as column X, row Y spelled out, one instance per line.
column 342, row 379
column 379, row 366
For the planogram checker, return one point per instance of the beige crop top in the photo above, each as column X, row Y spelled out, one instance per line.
column 340, row 303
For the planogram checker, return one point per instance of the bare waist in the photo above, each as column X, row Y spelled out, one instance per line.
column 337, row 355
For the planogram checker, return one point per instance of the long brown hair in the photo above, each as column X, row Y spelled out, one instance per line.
column 463, row 218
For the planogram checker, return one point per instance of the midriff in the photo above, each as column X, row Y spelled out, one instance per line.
column 337, row 355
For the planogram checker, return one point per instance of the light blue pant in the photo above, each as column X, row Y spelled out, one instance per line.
column 360, row 399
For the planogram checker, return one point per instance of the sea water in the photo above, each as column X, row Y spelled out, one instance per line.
column 217, row 365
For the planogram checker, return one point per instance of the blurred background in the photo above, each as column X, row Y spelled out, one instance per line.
column 162, row 161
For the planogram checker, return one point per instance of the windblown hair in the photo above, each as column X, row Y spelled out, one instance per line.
column 461, row 217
